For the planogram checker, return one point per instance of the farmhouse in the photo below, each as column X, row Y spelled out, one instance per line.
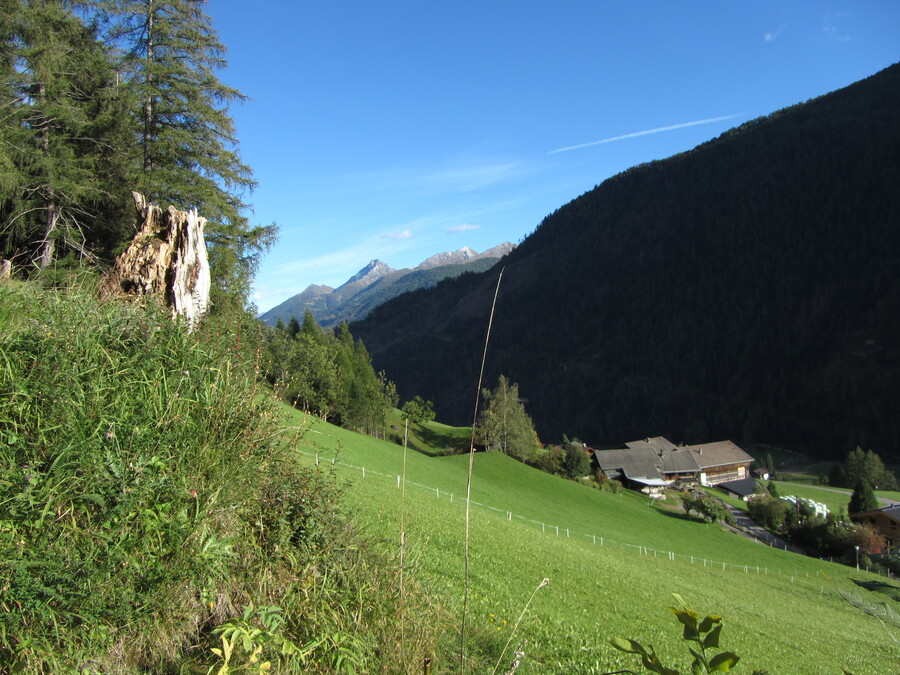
column 657, row 461
column 885, row 520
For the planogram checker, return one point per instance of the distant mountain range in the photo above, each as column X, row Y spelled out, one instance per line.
column 377, row 283
column 748, row 289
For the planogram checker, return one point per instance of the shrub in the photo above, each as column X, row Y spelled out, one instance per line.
column 768, row 511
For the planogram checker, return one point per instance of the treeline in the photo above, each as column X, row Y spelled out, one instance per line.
column 862, row 467
column 328, row 374
column 104, row 97
column 742, row 290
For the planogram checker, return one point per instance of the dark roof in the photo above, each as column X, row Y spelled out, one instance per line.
column 637, row 445
column 721, row 453
column 654, row 457
column 679, row 460
column 743, row 487
column 659, row 443
column 892, row 512
column 641, row 462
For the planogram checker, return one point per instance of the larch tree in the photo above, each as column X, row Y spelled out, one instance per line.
column 503, row 423
column 62, row 175
column 185, row 140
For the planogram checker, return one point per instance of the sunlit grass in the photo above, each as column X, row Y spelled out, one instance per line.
column 619, row 588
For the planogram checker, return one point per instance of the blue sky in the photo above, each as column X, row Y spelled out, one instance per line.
column 396, row 130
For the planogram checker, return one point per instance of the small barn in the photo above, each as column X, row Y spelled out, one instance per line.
column 741, row 489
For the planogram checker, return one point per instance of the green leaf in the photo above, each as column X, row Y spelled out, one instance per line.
column 723, row 663
column 629, row 646
column 712, row 640
column 708, row 623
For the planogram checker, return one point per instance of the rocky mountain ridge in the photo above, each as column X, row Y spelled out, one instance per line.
column 377, row 283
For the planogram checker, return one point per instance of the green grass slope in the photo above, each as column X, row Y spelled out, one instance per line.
column 613, row 561
column 151, row 507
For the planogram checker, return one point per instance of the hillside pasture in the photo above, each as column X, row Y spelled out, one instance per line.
column 613, row 561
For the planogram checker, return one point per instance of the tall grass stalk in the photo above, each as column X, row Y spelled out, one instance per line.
column 543, row 583
column 403, row 542
column 487, row 338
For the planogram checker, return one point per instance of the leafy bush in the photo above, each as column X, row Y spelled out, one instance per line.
column 711, row 509
column 769, row 511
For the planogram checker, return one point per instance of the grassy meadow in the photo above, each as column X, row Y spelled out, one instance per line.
column 834, row 498
column 782, row 612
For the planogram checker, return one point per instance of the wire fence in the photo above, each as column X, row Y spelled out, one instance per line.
column 560, row 531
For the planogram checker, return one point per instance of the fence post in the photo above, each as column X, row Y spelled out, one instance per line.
column 595, row 539
column 364, row 473
column 398, row 481
column 557, row 530
column 317, row 459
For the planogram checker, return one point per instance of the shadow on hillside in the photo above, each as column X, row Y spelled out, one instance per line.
column 680, row 515
column 878, row 586
column 439, row 444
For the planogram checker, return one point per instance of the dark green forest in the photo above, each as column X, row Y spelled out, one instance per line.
column 746, row 289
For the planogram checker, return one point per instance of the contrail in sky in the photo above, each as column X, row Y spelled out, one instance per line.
column 646, row 132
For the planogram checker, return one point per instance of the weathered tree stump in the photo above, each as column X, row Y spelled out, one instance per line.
column 6, row 269
column 166, row 259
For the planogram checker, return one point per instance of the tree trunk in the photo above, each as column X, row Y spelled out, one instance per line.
column 166, row 259
column 48, row 250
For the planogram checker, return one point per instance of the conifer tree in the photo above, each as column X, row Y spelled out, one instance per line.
column 185, row 136
column 863, row 498
column 504, row 424
column 62, row 176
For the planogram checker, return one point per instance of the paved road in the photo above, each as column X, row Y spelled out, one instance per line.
column 751, row 530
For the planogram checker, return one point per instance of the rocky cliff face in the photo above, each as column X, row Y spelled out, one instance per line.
column 463, row 255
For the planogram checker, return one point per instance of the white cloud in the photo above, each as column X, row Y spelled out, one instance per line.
column 403, row 234
column 461, row 176
column 771, row 36
column 472, row 177
column 465, row 227
column 646, row 132
column 832, row 30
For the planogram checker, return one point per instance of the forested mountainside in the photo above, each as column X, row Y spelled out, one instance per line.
column 376, row 283
column 747, row 289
